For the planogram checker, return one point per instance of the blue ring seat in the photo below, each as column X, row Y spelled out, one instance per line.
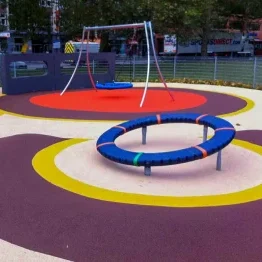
column 224, row 134
column 114, row 85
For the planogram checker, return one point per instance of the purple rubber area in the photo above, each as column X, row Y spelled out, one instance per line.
column 20, row 104
column 40, row 216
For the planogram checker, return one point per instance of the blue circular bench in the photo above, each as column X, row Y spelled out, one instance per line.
column 224, row 134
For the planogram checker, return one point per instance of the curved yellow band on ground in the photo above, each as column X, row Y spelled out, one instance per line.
column 250, row 104
column 44, row 164
column 1, row 111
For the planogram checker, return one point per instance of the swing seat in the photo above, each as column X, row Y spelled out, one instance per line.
column 114, row 85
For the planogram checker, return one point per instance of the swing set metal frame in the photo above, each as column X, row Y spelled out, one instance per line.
column 149, row 37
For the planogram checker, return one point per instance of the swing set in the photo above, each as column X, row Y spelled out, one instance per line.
column 119, row 85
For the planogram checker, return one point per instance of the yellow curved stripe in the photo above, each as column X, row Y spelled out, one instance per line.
column 1, row 112
column 54, row 119
column 44, row 164
column 250, row 104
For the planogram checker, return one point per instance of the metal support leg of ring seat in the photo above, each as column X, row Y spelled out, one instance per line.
column 144, row 129
column 147, row 171
column 219, row 161
column 205, row 131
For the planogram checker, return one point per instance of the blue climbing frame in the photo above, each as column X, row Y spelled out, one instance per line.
column 224, row 134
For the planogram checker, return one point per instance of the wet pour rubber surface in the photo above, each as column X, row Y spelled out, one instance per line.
column 42, row 217
column 214, row 104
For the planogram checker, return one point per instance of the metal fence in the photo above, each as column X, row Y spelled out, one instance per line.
column 231, row 69
column 247, row 70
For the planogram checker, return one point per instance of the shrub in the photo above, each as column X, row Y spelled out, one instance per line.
column 198, row 81
column 195, row 81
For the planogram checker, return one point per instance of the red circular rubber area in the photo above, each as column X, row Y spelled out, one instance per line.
column 122, row 101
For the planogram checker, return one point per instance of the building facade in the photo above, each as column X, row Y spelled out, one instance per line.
column 11, row 41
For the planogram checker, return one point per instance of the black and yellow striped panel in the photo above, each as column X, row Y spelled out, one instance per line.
column 69, row 48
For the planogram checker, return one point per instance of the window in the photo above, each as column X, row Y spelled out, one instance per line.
column 236, row 25
column 3, row 21
column 97, row 67
column 27, row 69
column 253, row 26
column 46, row 3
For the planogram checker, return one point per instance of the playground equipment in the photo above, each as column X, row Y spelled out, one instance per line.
column 114, row 85
column 224, row 134
column 147, row 26
column 119, row 85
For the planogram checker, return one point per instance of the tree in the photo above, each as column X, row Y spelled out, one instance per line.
column 121, row 12
column 191, row 18
column 29, row 17
column 201, row 18
column 74, row 15
column 79, row 13
column 244, row 11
